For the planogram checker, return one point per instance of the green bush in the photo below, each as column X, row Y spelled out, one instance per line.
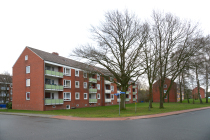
column 9, row 105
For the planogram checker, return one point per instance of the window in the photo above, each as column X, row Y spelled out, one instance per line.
column 129, row 96
column 112, row 88
column 85, row 84
column 98, row 95
column 28, row 82
column 27, row 69
column 67, row 83
column 85, row 95
column 47, row 95
column 165, row 86
column 67, row 96
column 67, row 71
column 111, row 79
column 165, row 91
column 98, row 86
column 85, row 74
column 112, row 96
column 76, row 84
column 27, row 95
column 89, row 96
column 67, row 106
column 77, row 73
column 77, row 95
column 98, row 77
column 26, row 57
column 129, row 89
column 165, row 97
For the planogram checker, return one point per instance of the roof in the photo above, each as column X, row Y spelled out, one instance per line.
column 67, row 62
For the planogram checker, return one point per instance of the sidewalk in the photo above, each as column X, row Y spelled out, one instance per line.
column 106, row 119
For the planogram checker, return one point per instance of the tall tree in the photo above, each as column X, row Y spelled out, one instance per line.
column 172, row 38
column 118, row 42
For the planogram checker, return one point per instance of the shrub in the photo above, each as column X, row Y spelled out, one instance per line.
column 9, row 105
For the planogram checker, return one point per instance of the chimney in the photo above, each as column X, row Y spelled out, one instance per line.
column 55, row 53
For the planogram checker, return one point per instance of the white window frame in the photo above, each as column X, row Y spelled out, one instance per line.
column 165, row 86
column 112, row 96
column 26, row 57
column 129, row 89
column 85, row 74
column 26, row 95
column 67, row 107
column 27, row 69
column 77, row 74
column 165, row 97
column 64, row 71
column 98, row 96
column 84, row 95
column 64, row 96
column 112, row 88
column 84, row 84
column 129, row 96
column 165, row 91
column 98, row 77
column 76, row 85
column 76, row 96
column 64, row 83
column 28, row 82
column 98, row 86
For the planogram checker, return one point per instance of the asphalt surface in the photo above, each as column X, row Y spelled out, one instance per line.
column 186, row 126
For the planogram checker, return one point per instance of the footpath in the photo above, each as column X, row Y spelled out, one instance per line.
column 105, row 119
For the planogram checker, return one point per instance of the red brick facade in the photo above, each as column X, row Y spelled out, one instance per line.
column 172, row 92
column 45, row 88
column 195, row 92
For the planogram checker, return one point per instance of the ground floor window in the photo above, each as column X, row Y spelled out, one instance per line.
column 67, row 106
column 27, row 95
column 67, row 96
column 85, row 95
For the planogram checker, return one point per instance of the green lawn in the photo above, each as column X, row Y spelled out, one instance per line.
column 113, row 111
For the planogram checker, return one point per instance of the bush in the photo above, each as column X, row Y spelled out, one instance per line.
column 9, row 105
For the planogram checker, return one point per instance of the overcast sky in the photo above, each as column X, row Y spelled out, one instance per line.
column 61, row 25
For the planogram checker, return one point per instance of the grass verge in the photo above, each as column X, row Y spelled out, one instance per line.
column 113, row 111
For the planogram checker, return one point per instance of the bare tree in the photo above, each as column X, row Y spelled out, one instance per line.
column 118, row 44
column 5, row 83
column 172, row 39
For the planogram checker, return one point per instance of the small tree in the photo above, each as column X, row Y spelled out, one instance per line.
column 118, row 44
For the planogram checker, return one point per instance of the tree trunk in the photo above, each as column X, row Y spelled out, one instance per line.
column 188, row 99
column 161, row 95
column 122, row 97
column 198, row 85
column 150, row 95
column 207, row 83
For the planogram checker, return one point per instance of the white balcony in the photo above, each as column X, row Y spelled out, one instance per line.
column 107, row 91
column 118, row 100
column 107, row 100
column 107, row 82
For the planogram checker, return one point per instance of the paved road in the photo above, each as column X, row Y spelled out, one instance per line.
column 186, row 126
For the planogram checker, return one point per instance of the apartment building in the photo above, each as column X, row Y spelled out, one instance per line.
column 5, row 89
column 174, row 95
column 195, row 93
column 46, row 81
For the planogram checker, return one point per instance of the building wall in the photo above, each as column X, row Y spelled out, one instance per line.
column 195, row 91
column 172, row 92
column 36, row 87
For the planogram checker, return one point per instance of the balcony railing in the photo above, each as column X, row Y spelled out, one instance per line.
column 92, row 100
column 107, row 82
column 134, row 86
column 107, row 100
column 118, row 100
column 134, row 99
column 92, row 90
column 4, row 88
column 53, row 101
column 127, row 92
column 53, row 73
column 107, row 91
column 127, row 99
column 54, row 87
column 92, row 80
column 134, row 93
